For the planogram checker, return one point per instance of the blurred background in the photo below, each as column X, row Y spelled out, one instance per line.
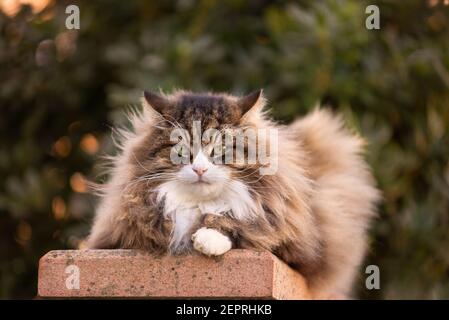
column 61, row 91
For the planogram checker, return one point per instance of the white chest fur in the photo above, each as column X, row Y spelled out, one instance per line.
column 185, row 216
column 184, row 207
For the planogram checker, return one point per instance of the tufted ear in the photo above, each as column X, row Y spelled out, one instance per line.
column 156, row 101
column 251, row 100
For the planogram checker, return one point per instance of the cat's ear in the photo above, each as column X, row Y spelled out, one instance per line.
column 254, row 100
column 156, row 101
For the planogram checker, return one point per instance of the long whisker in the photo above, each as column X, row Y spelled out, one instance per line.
column 162, row 176
column 250, row 174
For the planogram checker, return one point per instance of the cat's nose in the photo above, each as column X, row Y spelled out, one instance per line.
column 199, row 171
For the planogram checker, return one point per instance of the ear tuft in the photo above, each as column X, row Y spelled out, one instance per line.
column 158, row 102
column 249, row 101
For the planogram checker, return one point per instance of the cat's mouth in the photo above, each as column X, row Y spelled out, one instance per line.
column 201, row 182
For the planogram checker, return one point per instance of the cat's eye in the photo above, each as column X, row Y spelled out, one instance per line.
column 180, row 152
column 219, row 150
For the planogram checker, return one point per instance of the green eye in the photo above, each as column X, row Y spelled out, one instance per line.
column 180, row 152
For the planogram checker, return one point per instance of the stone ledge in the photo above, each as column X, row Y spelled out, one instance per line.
column 243, row 274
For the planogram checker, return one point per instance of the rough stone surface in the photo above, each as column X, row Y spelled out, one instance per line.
column 136, row 274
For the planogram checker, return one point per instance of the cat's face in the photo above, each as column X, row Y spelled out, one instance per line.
column 197, row 171
column 202, row 176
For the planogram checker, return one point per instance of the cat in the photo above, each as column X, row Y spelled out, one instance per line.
column 313, row 212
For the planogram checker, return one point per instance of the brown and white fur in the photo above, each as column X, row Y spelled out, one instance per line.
column 313, row 213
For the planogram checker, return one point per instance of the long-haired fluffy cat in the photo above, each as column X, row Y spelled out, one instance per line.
column 313, row 212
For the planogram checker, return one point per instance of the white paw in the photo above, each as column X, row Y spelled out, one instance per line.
column 211, row 242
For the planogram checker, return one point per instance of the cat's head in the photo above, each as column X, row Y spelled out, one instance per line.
column 182, row 149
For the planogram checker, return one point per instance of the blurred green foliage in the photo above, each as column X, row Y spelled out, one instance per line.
column 61, row 90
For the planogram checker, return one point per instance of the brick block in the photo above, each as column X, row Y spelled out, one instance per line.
column 136, row 274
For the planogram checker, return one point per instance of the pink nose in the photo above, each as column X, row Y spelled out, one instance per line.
column 199, row 171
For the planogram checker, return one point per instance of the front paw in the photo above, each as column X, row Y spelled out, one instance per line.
column 211, row 242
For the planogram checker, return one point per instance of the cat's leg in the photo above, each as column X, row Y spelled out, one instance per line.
column 105, row 233
column 211, row 242
column 219, row 233
column 213, row 236
column 102, row 235
column 100, row 239
column 142, row 227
